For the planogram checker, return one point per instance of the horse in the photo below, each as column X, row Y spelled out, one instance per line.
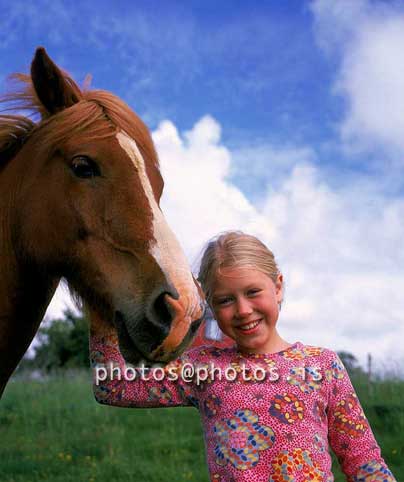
column 80, row 188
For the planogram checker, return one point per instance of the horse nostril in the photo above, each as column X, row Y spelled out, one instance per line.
column 161, row 310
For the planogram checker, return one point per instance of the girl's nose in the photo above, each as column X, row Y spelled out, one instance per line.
column 243, row 308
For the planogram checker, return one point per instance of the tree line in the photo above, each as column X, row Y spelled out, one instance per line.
column 63, row 344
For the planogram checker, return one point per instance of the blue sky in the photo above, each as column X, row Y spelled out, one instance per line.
column 254, row 66
column 284, row 118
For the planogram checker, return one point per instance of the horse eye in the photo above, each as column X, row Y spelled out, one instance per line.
column 84, row 167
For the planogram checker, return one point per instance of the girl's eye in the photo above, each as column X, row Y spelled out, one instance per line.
column 84, row 167
column 253, row 292
column 223, row 301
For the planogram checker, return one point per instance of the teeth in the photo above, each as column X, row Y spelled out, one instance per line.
column 250, row 326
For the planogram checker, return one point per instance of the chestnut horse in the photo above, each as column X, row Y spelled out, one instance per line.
column 79, row 199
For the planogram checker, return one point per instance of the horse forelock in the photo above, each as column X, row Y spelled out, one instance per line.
column 98, row 114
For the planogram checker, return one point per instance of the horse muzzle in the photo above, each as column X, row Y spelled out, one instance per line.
column 161, row 332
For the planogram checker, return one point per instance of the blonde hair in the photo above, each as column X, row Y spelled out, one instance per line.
column 235, row 249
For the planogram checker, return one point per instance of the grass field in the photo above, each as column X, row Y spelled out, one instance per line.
column 55, row 431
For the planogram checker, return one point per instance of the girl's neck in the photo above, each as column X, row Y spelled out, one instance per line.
column 276, row 344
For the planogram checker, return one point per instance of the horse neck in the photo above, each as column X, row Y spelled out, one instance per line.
column 25, row 291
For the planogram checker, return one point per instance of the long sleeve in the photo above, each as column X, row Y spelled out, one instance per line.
column 350, row 435
column 120, row 385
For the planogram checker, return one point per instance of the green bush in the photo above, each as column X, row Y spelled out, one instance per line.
column 63, row 344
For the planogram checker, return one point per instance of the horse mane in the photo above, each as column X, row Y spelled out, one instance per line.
column 98, row 114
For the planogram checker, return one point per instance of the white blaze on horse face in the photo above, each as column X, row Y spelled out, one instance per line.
column 166, row 249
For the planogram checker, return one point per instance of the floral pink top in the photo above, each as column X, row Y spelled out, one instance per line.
column 265, row 417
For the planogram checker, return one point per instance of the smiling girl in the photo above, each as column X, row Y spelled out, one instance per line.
column 256, row 428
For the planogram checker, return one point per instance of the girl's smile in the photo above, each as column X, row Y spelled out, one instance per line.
column 246, row 305
column 249, row 327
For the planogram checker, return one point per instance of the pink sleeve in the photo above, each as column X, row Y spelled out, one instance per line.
column 350, row 435
column 118, row 384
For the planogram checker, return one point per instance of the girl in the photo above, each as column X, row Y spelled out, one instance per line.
column 269, row 409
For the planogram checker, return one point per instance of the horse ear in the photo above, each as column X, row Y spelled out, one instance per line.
column 54, row 89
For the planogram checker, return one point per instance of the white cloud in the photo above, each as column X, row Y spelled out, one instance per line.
column 336, row 22
column 199, row 201
column 60, row 303
column 340, row 250
column 343, row 263
column 367, row 38
column 259, row 167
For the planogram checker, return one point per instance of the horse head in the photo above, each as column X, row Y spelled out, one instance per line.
column 86, row 187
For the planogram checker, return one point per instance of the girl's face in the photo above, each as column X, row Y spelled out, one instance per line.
column 246, row 306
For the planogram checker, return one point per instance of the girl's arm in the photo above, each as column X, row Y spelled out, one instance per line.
column 350, row 435
column 120, row 385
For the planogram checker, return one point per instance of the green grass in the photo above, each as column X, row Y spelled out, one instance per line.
column 56, row 431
